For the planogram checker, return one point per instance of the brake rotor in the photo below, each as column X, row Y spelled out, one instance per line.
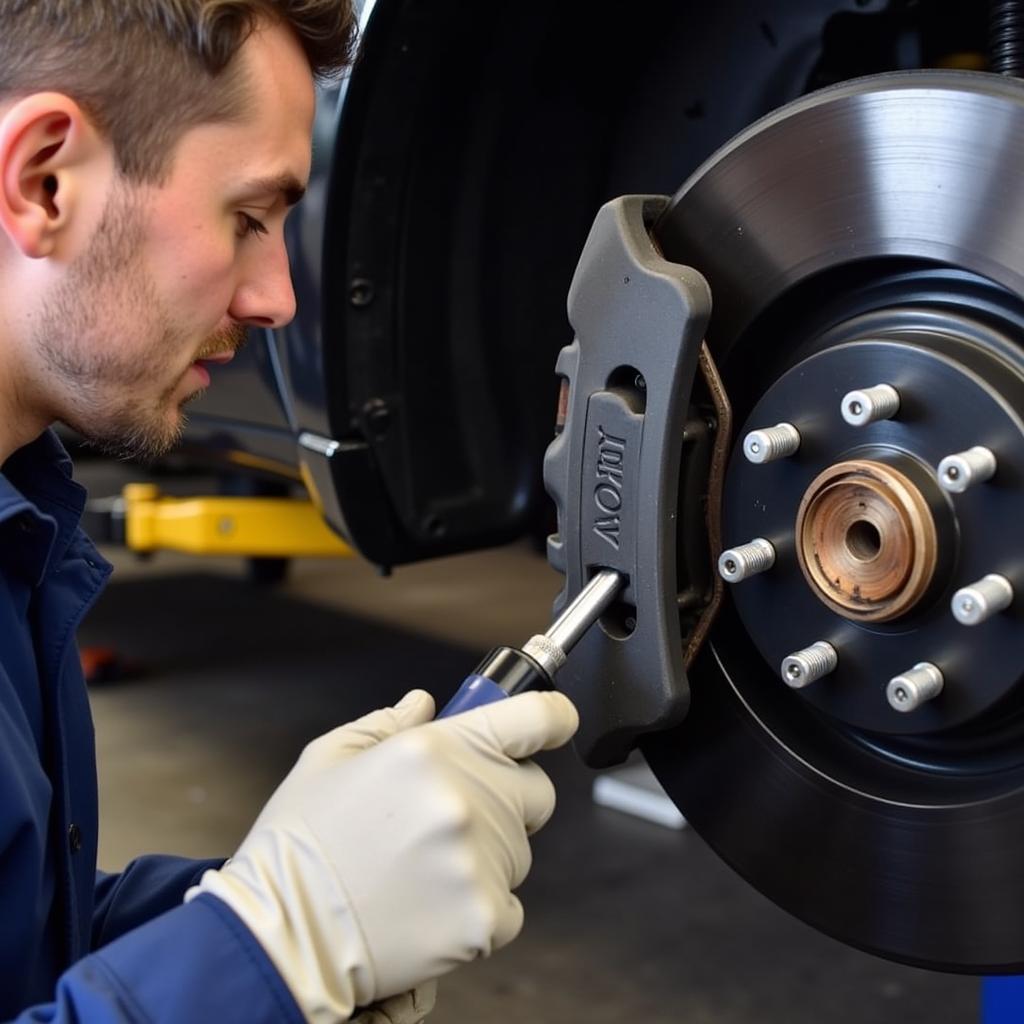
column 870, row 234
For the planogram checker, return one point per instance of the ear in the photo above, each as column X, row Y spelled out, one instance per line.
column 49, row 150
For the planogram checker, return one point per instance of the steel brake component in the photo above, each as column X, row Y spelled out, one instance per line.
column 854, row 744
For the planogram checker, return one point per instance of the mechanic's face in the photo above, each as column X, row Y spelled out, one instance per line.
column 174, row 274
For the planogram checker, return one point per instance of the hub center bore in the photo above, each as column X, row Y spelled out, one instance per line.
column 866, row 540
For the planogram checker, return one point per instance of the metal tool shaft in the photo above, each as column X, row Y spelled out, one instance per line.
column 507, row 671
column 581, row 614
column 550, row 649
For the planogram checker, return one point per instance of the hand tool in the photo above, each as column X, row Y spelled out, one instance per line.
column 510, row 670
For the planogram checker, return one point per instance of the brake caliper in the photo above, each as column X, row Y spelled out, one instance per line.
column 629, row 472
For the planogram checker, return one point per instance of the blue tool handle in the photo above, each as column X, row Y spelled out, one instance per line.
column 475, row 692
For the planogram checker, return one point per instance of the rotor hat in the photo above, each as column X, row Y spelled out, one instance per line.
column 866, row 540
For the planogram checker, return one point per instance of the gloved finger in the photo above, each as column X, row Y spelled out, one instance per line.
column 415, row 708
column 407, row 1008
column 509, row 923
column 519, row 860
column 526, row 723
column 537, row 796
column 424, row 998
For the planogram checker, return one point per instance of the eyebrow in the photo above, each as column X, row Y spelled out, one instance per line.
column 285, row 185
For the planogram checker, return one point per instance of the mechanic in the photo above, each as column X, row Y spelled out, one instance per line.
column 149, row 153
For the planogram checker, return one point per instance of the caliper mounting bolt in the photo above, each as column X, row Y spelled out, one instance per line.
column 909, row 690
column 740, row 563
column 965, row 469
column 771, row 443
column 809, row 665
column 881, row 402
column 978, row 602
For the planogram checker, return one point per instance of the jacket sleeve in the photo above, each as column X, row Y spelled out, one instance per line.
column 197, row 962
column 146, row 888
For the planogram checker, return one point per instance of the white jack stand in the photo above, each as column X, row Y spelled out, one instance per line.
column 633, row 789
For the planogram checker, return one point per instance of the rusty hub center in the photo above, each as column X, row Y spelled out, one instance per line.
column 866, row 540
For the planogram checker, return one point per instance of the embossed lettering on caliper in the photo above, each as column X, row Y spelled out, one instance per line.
column 610, row 478
column 608, row 492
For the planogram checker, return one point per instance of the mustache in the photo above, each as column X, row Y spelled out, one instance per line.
column 228, row 339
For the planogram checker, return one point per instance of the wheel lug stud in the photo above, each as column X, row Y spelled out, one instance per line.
column 809, row 665
column 740, row 563
column 881, row 402
column 965, row 469
column 911, row 689
column 978, row 602
column 771, row 443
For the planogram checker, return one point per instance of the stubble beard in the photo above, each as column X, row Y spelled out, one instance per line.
column 119, row 395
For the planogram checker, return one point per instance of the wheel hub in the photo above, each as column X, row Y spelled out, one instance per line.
column 866, row 540
column 869, row 548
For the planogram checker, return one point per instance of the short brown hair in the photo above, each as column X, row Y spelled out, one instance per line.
column 143, row 69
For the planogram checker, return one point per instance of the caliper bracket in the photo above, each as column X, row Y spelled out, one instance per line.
column 614, row 469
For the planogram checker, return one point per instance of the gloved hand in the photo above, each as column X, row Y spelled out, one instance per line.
column 408, row 1008
column 388, row 855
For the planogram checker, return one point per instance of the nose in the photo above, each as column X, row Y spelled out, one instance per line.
column 265, row 296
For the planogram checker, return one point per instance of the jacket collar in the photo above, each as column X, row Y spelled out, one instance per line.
column 40, row 508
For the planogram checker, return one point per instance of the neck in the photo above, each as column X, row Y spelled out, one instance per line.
column 22, row 419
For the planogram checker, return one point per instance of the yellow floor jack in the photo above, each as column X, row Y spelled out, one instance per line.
column 145, row 521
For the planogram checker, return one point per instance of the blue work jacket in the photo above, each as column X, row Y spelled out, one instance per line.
column 77, row 945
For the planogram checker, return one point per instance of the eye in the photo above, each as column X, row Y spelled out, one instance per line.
column 250, row 226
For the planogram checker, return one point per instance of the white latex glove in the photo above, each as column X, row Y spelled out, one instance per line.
column 408, row 1008
column 388, row 855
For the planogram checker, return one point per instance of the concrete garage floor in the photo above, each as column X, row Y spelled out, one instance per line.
column 625, row 921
